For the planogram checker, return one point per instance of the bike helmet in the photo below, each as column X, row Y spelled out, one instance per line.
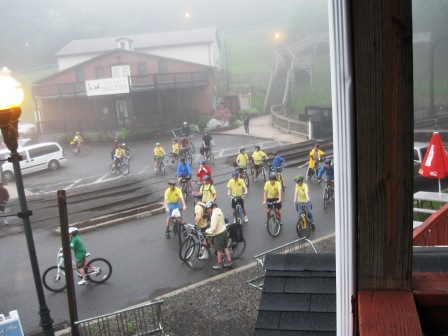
column 209, row 205
column 273, row 176
column 72, row 230
column 235, row 174
column 123, row 145
column 158, row 144
column 172, row 182
column 257, row 147
column 206, row 178
column 275, row 153
column 185, row 123
column 78, row 133
column 327, row 161
column 202, row 162
column 299, row 178
column 242, row 150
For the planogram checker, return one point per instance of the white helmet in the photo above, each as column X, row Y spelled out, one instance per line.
column 176, row 213
column 72, row 229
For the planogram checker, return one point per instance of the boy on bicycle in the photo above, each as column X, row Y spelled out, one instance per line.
column 79, row 249
column 273, row 194
column 159, row 152
column 258, row 156
column 78, row 140
column 207, row 142
column 184, row 171
column 316, row 155
column 120, row 152
column 301, row 195
column 172, row 197
column 241, row 160
column 328, row 169
column 218, row 231
column 175, row 150
column 207, row 190
column 277, row 162
column 235, row 188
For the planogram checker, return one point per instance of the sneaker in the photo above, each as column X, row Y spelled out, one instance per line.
column 255, row 179
column 246, row 219
column 217, row 267
column 167, row 235
column 204, row 255
column 228, row 264
column 313, row 227
column 234, row 220
column 83, row 282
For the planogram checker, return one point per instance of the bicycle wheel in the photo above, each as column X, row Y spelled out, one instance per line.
column 128, row 154
column 273, row 226
column 184, row 191
column 246, row 179
column 177, row 231
column 74, row 151
column 236, row 248
column 239, row 214
column 99, row 270
column 252, row 172
column 192, row 148
column 195, row 257
column 162, row 169
column 86, row 150
column 167, row 160
column 113, row 168
column 125, row 169
column 263, row 173
column 54, row 280
column 211, row 157
column 303, row 228
column 189, row 157
column 186, row 246
column 326, row 197
column 282, row 182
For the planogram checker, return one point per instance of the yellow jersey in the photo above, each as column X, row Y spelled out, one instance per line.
column 119, row 152
column 200, row 209
column 158, row 151
column 176, row 148
column 236, row 186
column 173, row 196
column 207, row 191
column 258, row 156
column 301, row 192
column 242, row 160
column 273, row 189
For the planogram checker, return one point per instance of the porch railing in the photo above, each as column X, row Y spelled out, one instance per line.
column 434, row 231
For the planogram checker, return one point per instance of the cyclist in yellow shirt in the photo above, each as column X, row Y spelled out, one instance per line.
column 159, row 152
column 120, row 152
column 78, row 140
column 235, row 188
column 172, row 197
column 301, row 195
column 174, row 151
column 258, row 157
column 316, row 155
column 273, row 194
column 207, row 190
column 241, row 160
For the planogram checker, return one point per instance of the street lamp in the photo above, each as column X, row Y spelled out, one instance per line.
column 431, row 80
column 11, row 97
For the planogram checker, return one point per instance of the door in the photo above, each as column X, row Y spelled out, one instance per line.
column 122, row 112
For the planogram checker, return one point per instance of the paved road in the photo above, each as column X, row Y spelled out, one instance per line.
column 145, row 264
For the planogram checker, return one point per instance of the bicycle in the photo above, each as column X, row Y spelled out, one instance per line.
column 328, row 192
column 160, row 166
column 243, row 175
column 192, row 250
column 185, row 153
column 273, row 223
column 208, row 155
column 278, row 171
column 168, row 159
column 238, row 209
column 261, row 171
column 303, row 226
column 82, row 150
column 122, row 167
column 177, row 225
column 97, row 270
column 184, row 187
column 317, row 168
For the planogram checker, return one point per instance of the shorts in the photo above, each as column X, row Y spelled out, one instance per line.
column 80, row 264
column 117, row 159
column 257, row 166
column 239, row 201
column 220, row 241
column 185, row 178
column 241, row 170
column 172, row 206
column 276, row 205
column 158, row 158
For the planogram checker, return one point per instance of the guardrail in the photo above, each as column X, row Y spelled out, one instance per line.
column 143, row 320
column 301, row 245
column 433, row 231
column 289, row 125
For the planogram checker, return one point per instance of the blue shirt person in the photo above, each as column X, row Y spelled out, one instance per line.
column 278, row 161
column 184, row 171
column 328, row 169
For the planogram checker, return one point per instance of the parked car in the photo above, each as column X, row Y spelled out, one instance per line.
column 48, row 155
column 420, row 149
column 26, row 130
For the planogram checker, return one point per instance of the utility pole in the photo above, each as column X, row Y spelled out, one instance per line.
column 226, row 59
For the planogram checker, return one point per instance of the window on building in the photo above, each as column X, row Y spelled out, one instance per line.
column 99, row 72
column 163, row 66
column 122, row 45
column 79, row 72
column 141, row 68
column 121, row 71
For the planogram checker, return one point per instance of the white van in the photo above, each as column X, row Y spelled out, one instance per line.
column 48, row 155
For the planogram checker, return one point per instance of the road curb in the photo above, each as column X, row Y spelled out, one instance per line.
column 117, row 218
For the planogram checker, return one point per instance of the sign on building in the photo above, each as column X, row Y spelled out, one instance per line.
column 107, row 86
column 10, row 325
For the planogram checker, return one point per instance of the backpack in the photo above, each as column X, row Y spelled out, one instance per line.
column 236, row 232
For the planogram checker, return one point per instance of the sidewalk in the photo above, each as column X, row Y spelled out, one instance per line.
column 261, row 127
column 12, row 190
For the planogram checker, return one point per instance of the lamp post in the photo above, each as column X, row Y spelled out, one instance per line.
column 431, row 80
column 11, row 97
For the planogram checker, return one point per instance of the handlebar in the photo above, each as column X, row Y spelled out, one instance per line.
column 237, row 197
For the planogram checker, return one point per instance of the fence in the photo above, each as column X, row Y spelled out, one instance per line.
column 433, row 231
column 289, row 125
column 301, row 245
column 143, row 320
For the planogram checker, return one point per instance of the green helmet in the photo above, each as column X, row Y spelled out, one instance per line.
column 299, row 178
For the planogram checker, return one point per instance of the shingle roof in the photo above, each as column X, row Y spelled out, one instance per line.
column 141, row 41
column 299, row 295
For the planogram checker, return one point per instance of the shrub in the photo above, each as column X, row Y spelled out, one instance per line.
column 223, row 114
column 124, row 134
column 237, row 123
column 250, row 111
column 203, row 121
